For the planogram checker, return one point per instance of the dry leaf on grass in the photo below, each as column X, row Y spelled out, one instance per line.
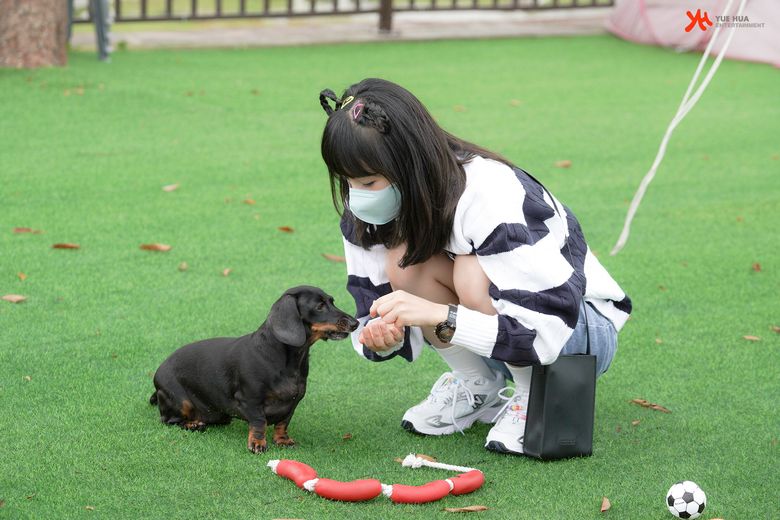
column 347, row 436
column 14, row 298
column 65, row 245
column 515, row 102
column 226, row 272
column 22, row 276
column 250, row 202
column 171, row 187
column 605, row 504
column 635, row 422
column 156, row 247
column 286, row 229
column 27, row 378
column 27, row 230
column 183, row 266
column 334, row 258
column 757, row 267
column 647, row 404
column 563, row 164
column 459, row 108
column 751, row 338
column 658, row 341
column 775, row 328
column 467, row 509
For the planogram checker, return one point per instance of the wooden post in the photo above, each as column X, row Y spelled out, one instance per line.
column 385, row 16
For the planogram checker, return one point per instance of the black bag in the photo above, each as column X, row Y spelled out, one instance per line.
column 561, row 405
column 562, row 399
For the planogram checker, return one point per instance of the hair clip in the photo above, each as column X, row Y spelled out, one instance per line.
column 347, row 101
column 356, row 110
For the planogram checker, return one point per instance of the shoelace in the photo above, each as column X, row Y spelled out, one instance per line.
column 441, row 390
column 502, row 395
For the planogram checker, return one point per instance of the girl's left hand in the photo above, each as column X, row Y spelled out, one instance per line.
column 402, row 309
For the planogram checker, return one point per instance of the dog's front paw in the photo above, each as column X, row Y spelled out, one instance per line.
column 257, row 445
column 256, row 442
column 280, row 435
column 283, row 441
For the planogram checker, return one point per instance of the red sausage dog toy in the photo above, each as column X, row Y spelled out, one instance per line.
column 305, row 477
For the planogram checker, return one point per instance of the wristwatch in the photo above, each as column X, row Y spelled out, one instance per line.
column 446, row 329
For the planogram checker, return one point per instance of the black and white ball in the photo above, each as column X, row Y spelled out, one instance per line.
column 686, row 499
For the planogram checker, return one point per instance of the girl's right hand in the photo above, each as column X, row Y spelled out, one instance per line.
column 379, row 336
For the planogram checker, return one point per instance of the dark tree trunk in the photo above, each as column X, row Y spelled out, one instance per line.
column 33, row 33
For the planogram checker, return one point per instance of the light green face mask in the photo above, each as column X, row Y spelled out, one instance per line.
column 375, row 206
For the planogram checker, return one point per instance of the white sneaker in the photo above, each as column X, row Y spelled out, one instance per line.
column 508, row 433
column 455, row 403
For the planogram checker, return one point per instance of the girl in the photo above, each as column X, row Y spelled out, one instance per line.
column 451, row 244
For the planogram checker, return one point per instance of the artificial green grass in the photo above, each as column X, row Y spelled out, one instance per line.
column 85, row 150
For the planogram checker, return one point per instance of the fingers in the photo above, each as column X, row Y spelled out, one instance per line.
column 378, row 336
column 372, row 338
column 384, row 302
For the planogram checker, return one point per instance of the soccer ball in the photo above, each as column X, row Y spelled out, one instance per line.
column 686, row 499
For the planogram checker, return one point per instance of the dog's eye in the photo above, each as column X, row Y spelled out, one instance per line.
column 320, row 307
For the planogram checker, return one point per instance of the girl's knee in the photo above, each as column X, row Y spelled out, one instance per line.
column 401, row 279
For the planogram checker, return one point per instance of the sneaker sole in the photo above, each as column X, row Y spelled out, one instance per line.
column 447, row 430
column 499, row 447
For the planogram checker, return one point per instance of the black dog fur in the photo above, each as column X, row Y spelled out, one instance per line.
column 260, row 377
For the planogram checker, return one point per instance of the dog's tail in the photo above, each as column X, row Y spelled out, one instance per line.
column 153, row 398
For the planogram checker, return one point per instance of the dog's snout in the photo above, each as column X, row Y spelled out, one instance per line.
column 348, row 323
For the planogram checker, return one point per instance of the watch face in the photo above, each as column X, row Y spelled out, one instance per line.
column 444, row 332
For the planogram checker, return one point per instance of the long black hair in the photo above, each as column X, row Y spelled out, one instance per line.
column 380, row 128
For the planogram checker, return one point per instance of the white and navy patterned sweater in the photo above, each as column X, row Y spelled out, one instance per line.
column 510, row 223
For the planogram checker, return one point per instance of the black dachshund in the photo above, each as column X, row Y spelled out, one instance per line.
column 260, row 377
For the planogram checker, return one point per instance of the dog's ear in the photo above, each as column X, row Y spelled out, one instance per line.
column 286, row 323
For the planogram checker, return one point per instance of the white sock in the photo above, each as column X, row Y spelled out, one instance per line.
column 465, row 362
column 522, row 378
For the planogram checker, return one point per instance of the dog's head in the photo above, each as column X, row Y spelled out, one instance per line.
column 306, row 314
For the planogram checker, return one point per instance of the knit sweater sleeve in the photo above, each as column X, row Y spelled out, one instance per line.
column 511, row 224
column 366, row 281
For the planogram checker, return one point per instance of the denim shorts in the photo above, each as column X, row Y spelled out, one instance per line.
column 603, row 340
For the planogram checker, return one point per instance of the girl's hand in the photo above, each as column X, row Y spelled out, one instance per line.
column 380, row 336
column 401, row 309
